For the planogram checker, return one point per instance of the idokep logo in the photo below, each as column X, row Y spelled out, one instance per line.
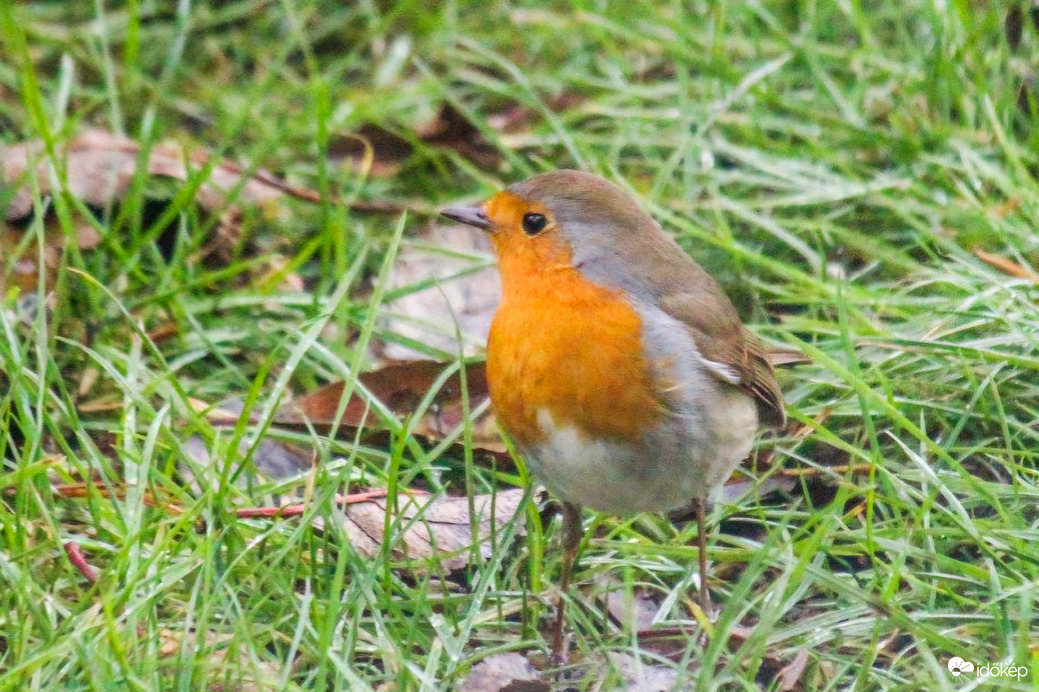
column 957, row 666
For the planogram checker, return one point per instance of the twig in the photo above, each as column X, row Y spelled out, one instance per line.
column 296, row 510
column 79, row 561
column 855, row 469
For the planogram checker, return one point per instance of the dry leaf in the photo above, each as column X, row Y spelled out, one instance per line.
column 25, row 273
column 432, row 526
column 401, row 387
column 249, row 675
column 517, row 117
column 425, row 525
column 271, row 459
column 499, row 673
column 789, row 677
column 99, row 167
column 451, row 129
column 642, row 677
column 1008, row 267
column 382, row 152
column 464, row 296
column 633, row 609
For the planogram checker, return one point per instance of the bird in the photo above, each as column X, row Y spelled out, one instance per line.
column 615, row 363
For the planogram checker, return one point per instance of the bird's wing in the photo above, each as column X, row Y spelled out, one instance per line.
column 732, row 352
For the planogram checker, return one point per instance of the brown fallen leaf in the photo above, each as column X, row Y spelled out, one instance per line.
column 99, row 167
column 1007, row 266
column 271, row 459
column 517, row 117
column 163, row 332
column 634, row 610
column 452, row 130
column 501, row 672
column 382, row 152
column 431, row 525
column 641, row 676
column 25, row 272
column 461, row 292
column 221, row 662
column 401, row 387
column 789, row 677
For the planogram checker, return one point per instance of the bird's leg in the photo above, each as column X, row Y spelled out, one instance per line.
column 701, row 540
column 573, row 531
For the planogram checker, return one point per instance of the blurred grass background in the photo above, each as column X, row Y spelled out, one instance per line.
column 860, row 176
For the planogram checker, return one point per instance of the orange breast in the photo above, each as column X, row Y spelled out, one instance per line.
column 563, row 345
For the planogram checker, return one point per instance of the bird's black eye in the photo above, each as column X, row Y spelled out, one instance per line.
column 534, row 223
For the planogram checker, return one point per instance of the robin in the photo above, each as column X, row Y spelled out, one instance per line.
column 615, row 363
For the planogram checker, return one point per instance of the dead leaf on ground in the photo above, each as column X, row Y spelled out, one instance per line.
column 382, row 152
column 25, row 273
column 248, row 674
column 517, row 117
column 458, row 290
column 452, row 130
column 425, row 525
column 272, row 460
column 790, row 676
column 1007, row 266
column 513, row 673
column 643, row 677
column 502, row 672
column 401, row 387
column 99, row 167
column 634, row 610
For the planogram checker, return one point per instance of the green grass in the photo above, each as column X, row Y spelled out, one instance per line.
column 836, row 165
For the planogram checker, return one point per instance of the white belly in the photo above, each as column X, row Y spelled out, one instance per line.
column 674, row 463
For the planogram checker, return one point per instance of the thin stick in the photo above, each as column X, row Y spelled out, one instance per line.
column 79, row 561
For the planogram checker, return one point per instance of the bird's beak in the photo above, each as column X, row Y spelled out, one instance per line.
column 471, row 216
